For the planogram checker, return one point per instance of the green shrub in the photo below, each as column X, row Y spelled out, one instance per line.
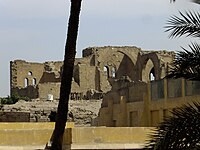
column 13, row 99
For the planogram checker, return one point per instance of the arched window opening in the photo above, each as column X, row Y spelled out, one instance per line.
column 26, row 82
column 30, row 73
column 148, row 73
column 152, row 74
column 113, row 72
column 106, row 71
column 34, row 81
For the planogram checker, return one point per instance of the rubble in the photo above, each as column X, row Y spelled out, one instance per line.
column 83, row 111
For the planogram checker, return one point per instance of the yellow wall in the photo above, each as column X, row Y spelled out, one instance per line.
column 146, row 112
column 109, row 137
column 36, row 135
column 26, row 133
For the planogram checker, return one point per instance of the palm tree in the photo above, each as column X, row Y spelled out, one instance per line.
column 179, row 131
column 186, row 63
column 182, row 129
column 67, row 74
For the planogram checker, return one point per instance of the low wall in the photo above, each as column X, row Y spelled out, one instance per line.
column 9, row 116
column 31, row 126
column 36, row 135
column 27, row 134
column 109, row 137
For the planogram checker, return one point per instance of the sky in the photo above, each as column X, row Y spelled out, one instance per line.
column 35, row 30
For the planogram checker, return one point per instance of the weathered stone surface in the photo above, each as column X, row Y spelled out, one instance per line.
column 92, row 72
column 101, row 71
column 38, row 111
column 14, row 116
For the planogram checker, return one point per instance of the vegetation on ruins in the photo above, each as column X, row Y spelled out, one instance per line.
column 67, row 74
column 186, row 63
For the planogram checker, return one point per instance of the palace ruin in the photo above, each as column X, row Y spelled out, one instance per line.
column 92, row 72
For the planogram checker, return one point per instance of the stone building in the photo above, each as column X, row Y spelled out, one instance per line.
column 136, row 104
column 93, row 73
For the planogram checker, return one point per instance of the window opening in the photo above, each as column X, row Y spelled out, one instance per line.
column 34, row 81
column 25, row 82
column 30, row 73
column 152, row 75
column 113, row 72
column 106, row 71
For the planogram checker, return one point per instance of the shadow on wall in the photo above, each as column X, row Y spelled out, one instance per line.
column 29, row 91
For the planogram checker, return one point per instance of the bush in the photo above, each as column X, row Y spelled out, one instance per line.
column 13, row 99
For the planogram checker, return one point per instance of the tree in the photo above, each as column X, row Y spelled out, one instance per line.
column 67, row 74
column 180, row 131
column 186, row 63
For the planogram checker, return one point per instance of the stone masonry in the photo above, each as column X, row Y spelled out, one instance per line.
column 92, row 73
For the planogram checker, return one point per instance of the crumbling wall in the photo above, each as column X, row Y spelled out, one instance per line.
column 24, row 78
column 87, row 77
column 25, row 73
column 92, row 72
column 137, row 92
column 30, row 92
column 46, row 89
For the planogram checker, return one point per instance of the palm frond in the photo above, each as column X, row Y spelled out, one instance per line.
column 186, row 24
column 186, row 63
column 194, row 1
column 179, row 131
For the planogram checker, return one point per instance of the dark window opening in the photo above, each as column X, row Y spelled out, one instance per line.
column 106, row 71
column 152, row 74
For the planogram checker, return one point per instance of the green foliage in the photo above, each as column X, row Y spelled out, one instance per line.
column 13, row 99
column 185, row 24
column 186, row 64
column 180, row 131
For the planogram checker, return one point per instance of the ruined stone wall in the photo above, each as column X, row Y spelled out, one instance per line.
column 87, row 77
column 92, row 72
column 137, row 91
column 29, row 91
column 130, row 61
column 7, row 116
column 24, row 78
column 25, row 73
column 116, row 61
column 45, row 89
column 52, row 72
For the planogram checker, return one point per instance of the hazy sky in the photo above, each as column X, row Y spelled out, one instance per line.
column 35, row 30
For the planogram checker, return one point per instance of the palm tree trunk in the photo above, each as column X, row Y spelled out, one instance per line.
column 67, row 74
